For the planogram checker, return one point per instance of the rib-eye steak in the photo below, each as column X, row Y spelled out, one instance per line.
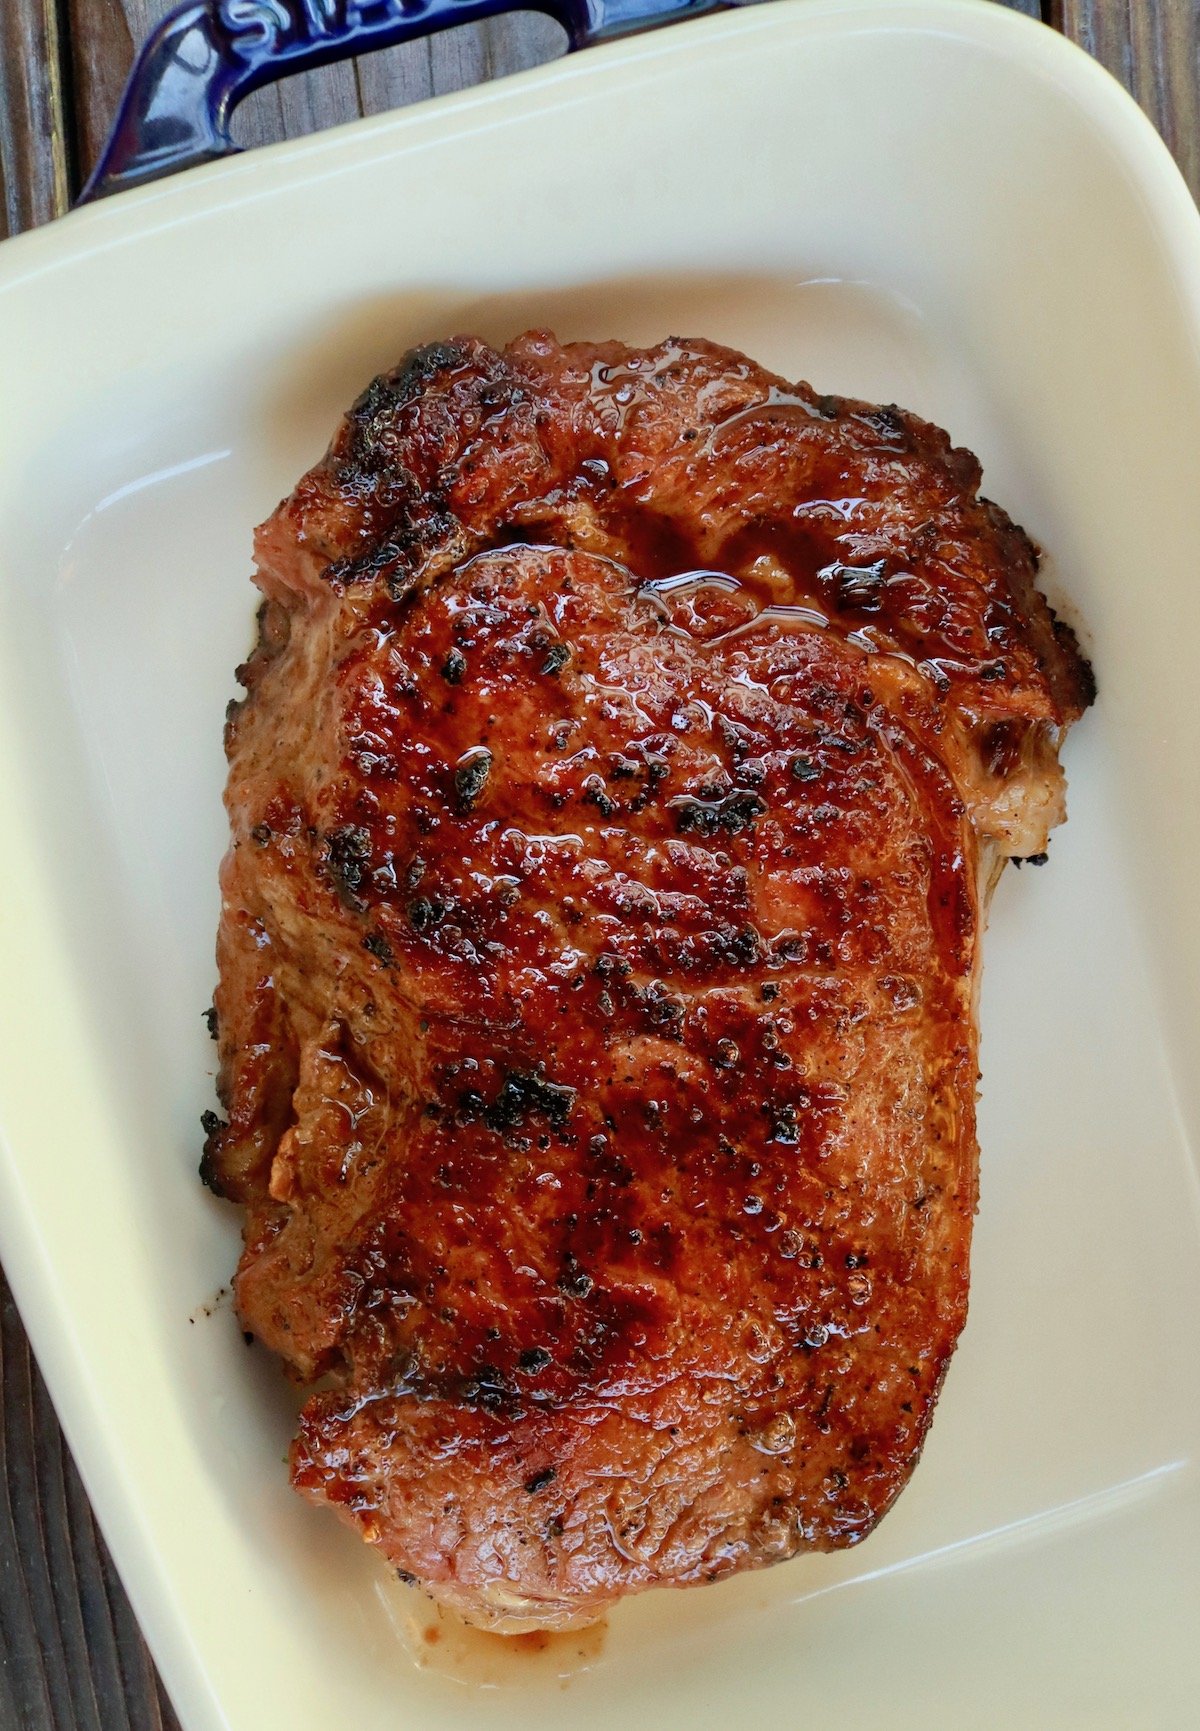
column 631, row 744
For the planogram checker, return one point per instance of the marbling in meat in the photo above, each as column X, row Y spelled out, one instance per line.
column 630, row 747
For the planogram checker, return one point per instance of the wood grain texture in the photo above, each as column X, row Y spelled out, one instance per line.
column 34, row 151
column 1153, row 47
column 71, row 1656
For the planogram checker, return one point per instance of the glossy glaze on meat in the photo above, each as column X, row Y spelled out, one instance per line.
column 629, row 750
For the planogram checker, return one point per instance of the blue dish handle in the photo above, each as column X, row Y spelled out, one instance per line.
column 208, row 54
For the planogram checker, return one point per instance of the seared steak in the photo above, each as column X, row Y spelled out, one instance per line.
column 631, row 744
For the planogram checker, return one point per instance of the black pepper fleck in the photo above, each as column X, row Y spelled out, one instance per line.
column 379, row 947
column 470, row 778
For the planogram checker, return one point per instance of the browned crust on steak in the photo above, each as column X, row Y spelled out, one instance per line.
column 598, row 956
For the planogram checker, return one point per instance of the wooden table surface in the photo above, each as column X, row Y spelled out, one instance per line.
column 71, row 1656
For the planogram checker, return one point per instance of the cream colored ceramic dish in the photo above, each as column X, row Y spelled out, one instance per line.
column 938, row 203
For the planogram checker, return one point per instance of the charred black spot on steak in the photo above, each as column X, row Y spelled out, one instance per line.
column 379, row 947
column 391, row 391
column 522, row 1095
column 573, row 1282
column 595, row 793
column 802, row 767
column 888, row 423
column 347, row 861
column 785, row 1126
column 470, row 779
column 732, row 814
column 210, row 1175
column 490, row 1390
column 426, row 912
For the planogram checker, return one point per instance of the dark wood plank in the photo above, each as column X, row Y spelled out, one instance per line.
column 35, row 169
column 71, row 1656
column 1153, row 47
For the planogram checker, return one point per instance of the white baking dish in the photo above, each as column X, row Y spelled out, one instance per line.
column 938, row 203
